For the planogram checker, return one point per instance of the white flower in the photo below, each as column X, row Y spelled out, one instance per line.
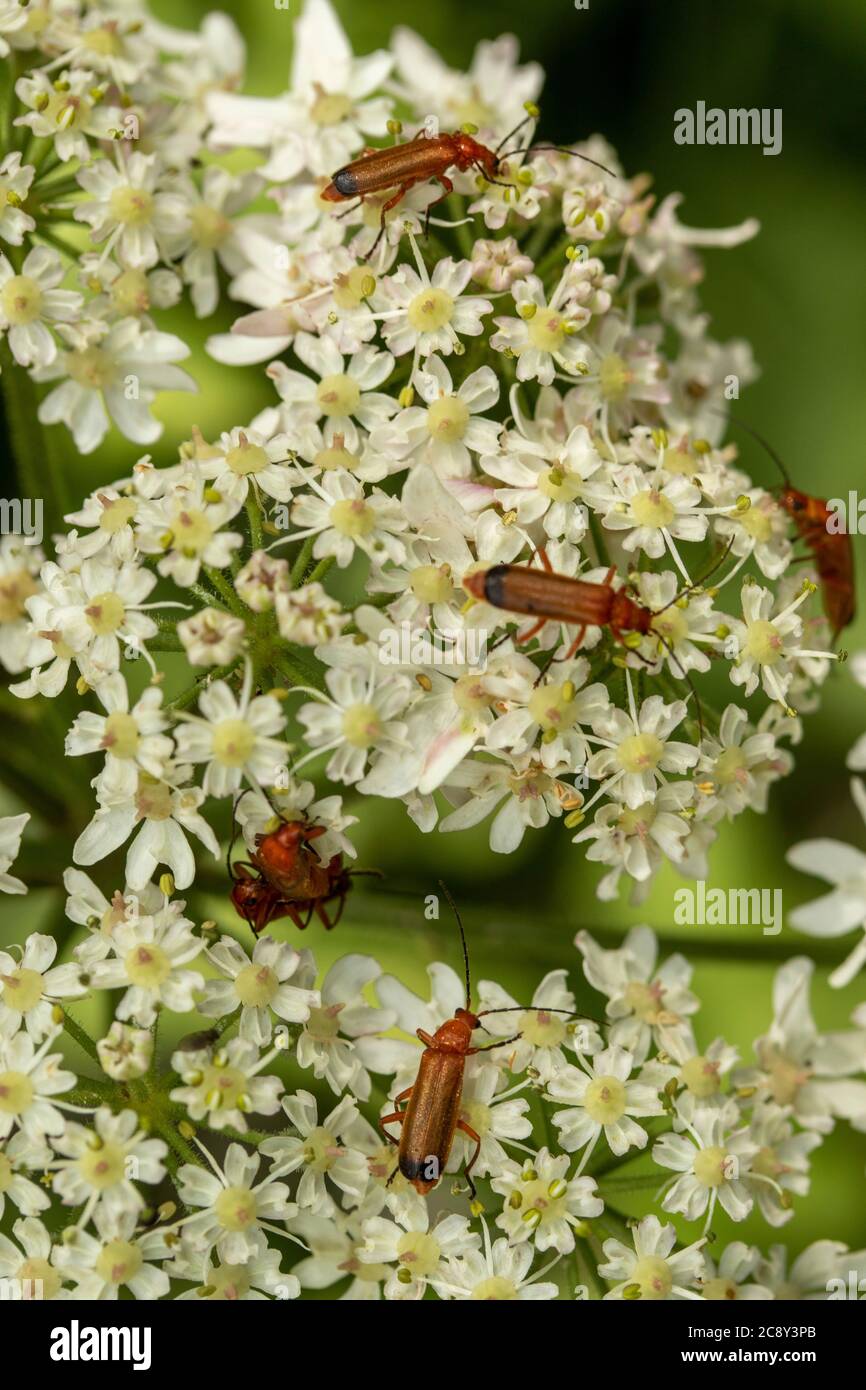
column 11, row 830
column 714, row 1164
column 416, row 1246
column 605, row 1100
column 260, row 985
column 19, row 1154
column 234, row 735
column 500, row 1273
column 132, row 740
column 32, row 985
column 20, row 564
column 345, row 519
column 125, row 1053
column 843, row 909
column 29, row 302
column 799, row 1067
column 127, row 209
column 544, row 337
column 781, row 1164
column 728, row 1278
column 491, row 94
column 544, row 1206
column 355, row 718
column 223, row 1085
column 769, row 642
column 150, row 959
column 345, row 392
column 31, row 1270
column 531, row 794
column 245, row 459
column 31, row 1079
column 654, row 1269
column 233, row 1205
column 645, row 1003
column 15, row 181
column 221, row 1282
column 117, row 1257
column 812, row 1274
column 185, row 527
column 427, row 314
column 637, row 749
column 100, row 1166
column 545, row 479
column 447, row 427
column 321, row 1152
column 308, row 615
column 342, row 1060
column 113, row 373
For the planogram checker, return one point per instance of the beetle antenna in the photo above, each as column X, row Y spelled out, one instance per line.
column 688, row 680
column 452, row 904
column 564, row 150
column 511, row 134
column 764, row 443
column 698, row 583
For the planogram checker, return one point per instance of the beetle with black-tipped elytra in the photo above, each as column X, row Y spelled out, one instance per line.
column 432, row 1114
column 426, row 157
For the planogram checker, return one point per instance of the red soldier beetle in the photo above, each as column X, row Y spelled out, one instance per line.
column 432, row 1114
column 427, row 157
column 284, row 877
column 831, row 551
column 550, row 597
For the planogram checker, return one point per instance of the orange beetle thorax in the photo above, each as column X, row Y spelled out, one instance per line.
column 455, row 1034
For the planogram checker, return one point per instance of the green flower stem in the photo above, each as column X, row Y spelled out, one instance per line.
column 191, row 694
column 206, row 596
column 252, row 1136
column 254, row 515
column 37, row 470
column 164, row 642
column 321, row 570
column 301, row 565
column 84, row 1040
column 225, row 590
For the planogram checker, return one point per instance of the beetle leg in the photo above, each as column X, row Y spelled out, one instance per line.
column 470, row 1132
column 449, row 188
column 527, row 636
column 425, row 1038
column 386, row 208
column 392, row 1119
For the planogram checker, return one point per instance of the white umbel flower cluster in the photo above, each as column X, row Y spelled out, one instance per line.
column 543, row 395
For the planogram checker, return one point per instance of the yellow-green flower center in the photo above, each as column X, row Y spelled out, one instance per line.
column 224, row 1087
column 419, row 1253
column 546, row 330
column 730, row 766
column 701, row 1077
column 715, row 1290
column 130, row 293
column 247, row 458
column 256, row 985
column 233, row 742
column 39, row 1271
column 351, row 289
column 430, row 310
column 640, row 752
column 431, row 583
column 496, row 1289
column 653, row 1277
column 21, row 299
column 338, row 395
column 652, row 508
column 352, row 517
column 605, row 1100
column 330, row 108
column 560, row 485
column 119, row 1261
column 209, row 227
column 103, row 1166
column 764, row 643
column 105, row 613
column 16, row 1092
column 131, row 206
column 361, row 725
column 614, row 377
column 91, row 368
column 21, row 989
column 236, row 1209
column 710, row 1166
column 447, row 419
column 147, row 966
column 121, row 737
column 117, row 513
column 552, row 707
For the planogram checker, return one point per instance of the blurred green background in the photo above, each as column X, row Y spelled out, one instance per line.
column 798, row 294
